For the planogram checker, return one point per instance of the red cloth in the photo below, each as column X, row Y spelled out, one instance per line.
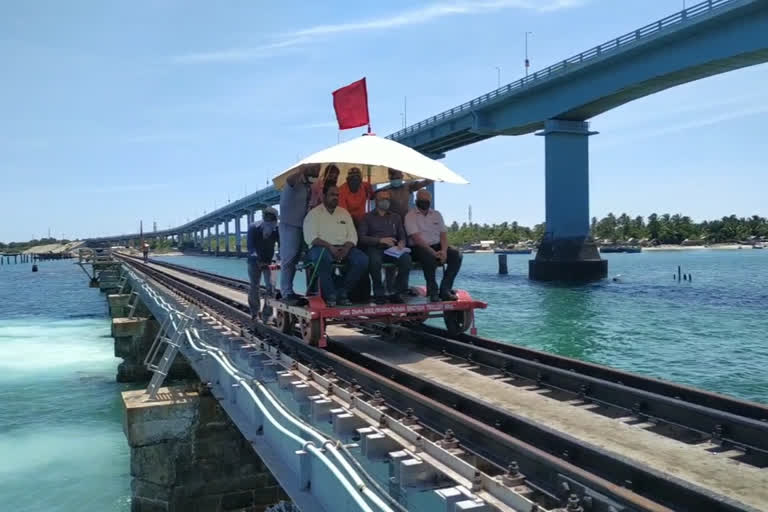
column 351, row 105
column 355, row 202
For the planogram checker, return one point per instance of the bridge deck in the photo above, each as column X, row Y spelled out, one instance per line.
column 718, row 472
column 690, row 462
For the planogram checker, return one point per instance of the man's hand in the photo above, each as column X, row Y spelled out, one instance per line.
column 401, row 244
column 335, row 253
column 388, row 241
column 344, row 250
column 442, row 255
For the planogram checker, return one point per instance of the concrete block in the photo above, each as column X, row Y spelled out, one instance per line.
column 301, row 391
column 474, row 506
column 118, row 304
column 396, row 458
column 376, row 445
column 284, row 379
column 345, row 423
column 449, row 497
column 414, row 473
column 129, row 326
column 320, row 408
column 169, row 417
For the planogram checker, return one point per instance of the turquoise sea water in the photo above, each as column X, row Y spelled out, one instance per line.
column 711, row 333
column 62, row 447
column 61, row 443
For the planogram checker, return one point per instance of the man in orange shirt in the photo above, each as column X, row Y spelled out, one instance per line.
column 354, row 194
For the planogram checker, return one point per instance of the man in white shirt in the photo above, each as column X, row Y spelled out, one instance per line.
column 332, row 237
column 429, row 240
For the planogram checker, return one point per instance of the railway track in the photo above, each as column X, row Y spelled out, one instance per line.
column 553, row 463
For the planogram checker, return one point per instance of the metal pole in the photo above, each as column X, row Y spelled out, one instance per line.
column 527, row 62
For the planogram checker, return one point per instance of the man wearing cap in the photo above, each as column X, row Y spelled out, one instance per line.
column 262, row 237
column 355, row 194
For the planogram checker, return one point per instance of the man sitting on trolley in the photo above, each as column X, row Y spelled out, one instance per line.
column 330, row 233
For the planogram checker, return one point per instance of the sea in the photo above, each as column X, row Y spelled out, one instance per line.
column 61, row 443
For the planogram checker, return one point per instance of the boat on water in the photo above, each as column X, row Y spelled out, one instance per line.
column 512, row 250
column 607, row 249
column 758, row 245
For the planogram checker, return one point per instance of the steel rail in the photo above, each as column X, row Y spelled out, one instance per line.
column 725, row 420
column 484, row 438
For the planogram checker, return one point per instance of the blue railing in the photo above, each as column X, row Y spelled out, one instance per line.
column 556, row 69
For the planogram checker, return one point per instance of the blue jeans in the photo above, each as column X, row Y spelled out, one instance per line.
column 255, row 271
column 290, row 246
column 355, row 265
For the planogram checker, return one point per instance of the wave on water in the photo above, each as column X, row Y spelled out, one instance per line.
column 53, row 347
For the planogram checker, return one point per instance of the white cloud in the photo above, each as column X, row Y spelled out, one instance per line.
column 419, row 16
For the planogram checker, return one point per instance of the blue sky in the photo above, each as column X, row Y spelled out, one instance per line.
column 159, row 110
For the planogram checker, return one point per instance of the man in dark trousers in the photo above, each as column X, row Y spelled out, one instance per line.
column 379, row 231
column 262, row 237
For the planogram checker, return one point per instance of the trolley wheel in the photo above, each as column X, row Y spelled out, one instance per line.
column 457, row 321
column 284, row 321
column 310, row 330
column 414, row 320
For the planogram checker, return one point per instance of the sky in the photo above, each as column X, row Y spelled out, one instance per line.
column 116, row 112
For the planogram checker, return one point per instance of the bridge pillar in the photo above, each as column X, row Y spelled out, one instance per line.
column 567, row 253
column 218, row 239
column 226, row 237
column 238, row 237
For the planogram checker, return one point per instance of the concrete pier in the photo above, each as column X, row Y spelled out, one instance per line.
column 186, row 455
column 567, row 253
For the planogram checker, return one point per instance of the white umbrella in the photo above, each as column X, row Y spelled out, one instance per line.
column 374, row 156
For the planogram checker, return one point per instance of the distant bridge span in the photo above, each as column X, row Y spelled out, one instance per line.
column 712, row 37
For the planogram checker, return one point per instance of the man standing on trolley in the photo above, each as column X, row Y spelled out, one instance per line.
column 294, row 200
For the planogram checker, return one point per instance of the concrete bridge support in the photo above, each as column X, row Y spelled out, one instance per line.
column 187, row 455
column 567, row 252
column 218, row 239
column 226, row 237
column 238, row 236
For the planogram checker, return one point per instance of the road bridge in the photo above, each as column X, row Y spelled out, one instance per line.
column 712, row 37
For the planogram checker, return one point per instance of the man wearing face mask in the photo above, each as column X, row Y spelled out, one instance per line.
column 294, row 199
column 355, row 194
column 400, row 201
column 262, row 237
column 429, row 239
column 378, row 231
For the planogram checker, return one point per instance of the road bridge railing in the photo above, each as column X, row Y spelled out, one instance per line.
column 608, row 48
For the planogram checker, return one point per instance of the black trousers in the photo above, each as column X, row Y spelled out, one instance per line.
column 376, row 258
column 429, row 265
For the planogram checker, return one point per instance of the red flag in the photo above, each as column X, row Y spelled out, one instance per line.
column 351, row 105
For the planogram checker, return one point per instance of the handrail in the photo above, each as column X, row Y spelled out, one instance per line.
column 598, row 51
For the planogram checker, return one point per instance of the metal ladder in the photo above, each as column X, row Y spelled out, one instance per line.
column 159, row 367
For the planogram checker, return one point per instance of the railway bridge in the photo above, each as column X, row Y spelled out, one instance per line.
column 408, row 417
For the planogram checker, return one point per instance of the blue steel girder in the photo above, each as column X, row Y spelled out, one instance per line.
column 705, row 40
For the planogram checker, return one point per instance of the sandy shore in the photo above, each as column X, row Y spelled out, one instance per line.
column 726, row 247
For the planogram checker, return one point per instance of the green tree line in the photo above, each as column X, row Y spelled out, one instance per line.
column 662, row 229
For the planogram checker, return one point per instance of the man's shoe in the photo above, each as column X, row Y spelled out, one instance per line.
column 330, row 302
column 380, row 300
column 344, row 301
column 396, row 299
column 449, row 296
column 434, row 298
column 292, row 299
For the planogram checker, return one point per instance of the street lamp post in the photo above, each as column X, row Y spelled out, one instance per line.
column 527, row 62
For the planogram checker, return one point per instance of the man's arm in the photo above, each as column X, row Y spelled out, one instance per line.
column 294, row 178
column 416, row 185
column 251, row 239
column 362, row 233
